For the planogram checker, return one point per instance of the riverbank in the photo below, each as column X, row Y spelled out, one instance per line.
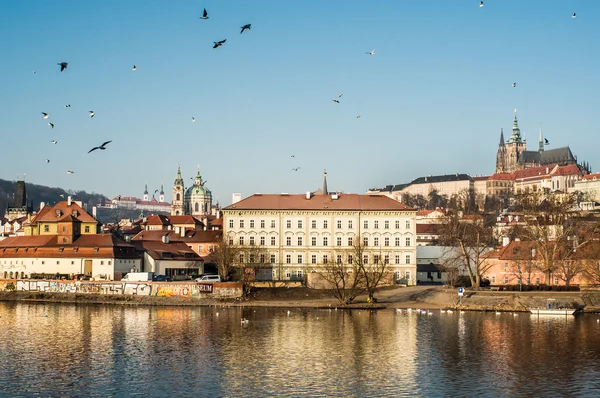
column 425, row 297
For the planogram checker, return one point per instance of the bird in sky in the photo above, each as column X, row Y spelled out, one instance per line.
column 340, row 96
column 358, row 116
column 546, row 142
column 45, row 115
column 92, row 114
column 68, row 106
column 293, row 156
column 34, row 72
column 248, row 26
column 336, row 101
column 134, row 67
column 47, row 160
column 54, row 142
column 70, row 172
column 102, row 147
column 574, row 16
column 219, row 43
column 63, row 65
column 62, row 195
column 296, row 168
column 370, row 53
column 204, row 15
column 193, row 119
column 51, row 125
column 481, row 4
column 514, row 84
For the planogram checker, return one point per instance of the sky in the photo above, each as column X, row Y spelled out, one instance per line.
column 431, row 100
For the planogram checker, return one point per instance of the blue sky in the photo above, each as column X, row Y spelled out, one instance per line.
column 432, row 99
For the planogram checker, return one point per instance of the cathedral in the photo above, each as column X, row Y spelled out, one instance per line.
column 195, row 201
column 513, row 155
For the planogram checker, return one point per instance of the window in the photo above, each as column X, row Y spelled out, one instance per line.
column 272, row 241
column 376, row 259
column 299, row 241
column 506, row 280
column 231, row 241
column 299, row 223
column 313, row 241
column 397, row 224
column 339, row 224
column 262, row 258
column 376, row 224
column 365, row 241
column 349, row 224
column 407, row 224
column 313, row 259
column 241, row 240
column 288, row 240
column 241, row 259
column 537, row 280
column 350, row 259
column 272, row 223
column 386, row 241
column 262, row 223
column 241, row 223
column 262, row 240
column 101, row 262
column 325, row 242
column 251, row 223
column 272, row 259
column 397, row 259
column 325, row 224
column 408, row 241
column 339, row 259
column 386, row 259
column 376, row 241
column 493, row 281
column 556, row 281
column 288, row 258
column 299, row 258
column 505, row 267
column 325, row 259
column 365, row 259
column 46, row 228
column 366, row 224
column 386, row 224
column 350, row 241
column 339, row 241
column 252, row 241
column 64, row 228
column 288, row 224
column 87, row 229
column 230, row 223
column 407, row 259
column 397, row 241
column 313, row 224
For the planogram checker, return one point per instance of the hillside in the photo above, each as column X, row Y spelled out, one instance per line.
column 41, row 193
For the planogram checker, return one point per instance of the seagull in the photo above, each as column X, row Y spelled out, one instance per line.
column 247, row 26
column 134, row 67
column 45, row 115
column 546, row 142
column 34, row 72
column 70, row 172
column 47, row 160
column 293, row 156
column 219, row 43
column 63, row 65
column 204, row 15
column 54, row 142
column 156, row 190
column 370, row 53
column 358, row 116
column 92, row 114
column 574, row 16
column 336, row 101
column 340, row 96
column 68, row 106
column 103, row 146
column 51, row 125
column 481, row 4
column 514, row 84
column 193, row 119
column 62, row 195
column 296, row 169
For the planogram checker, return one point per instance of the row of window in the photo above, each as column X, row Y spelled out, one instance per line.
column 325, row 239
column 313, row 224
column 339, row 259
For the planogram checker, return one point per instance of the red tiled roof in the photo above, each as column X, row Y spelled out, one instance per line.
column 534, row 171
column 187, row 219
column 177, row 251
column 502, row 176
column 48, row 213
column 481, row 178
column 569, row 169
column 427, row 229
column 345, row 201
column 191, row 236
column 590, row 177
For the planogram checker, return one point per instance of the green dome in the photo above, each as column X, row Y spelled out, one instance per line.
column 197, row 190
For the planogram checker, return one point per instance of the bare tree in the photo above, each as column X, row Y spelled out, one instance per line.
column 347, row 280
column 373, row 271
column 251, row 260
column 225, row 256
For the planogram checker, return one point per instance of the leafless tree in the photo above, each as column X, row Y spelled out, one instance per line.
column 225, row 256
column 347, row 280
column 251, row 260
column 373, row 271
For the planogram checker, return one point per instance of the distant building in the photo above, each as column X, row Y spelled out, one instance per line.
column 144, row 204
column 19, row 207
column 589, row 185
column 447, row 184
column 195, row 200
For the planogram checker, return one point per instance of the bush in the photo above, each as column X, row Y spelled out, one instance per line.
column 10, row 287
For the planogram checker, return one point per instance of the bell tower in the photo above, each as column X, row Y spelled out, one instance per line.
column 177, row 204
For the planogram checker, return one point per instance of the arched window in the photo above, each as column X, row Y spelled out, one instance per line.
column 176, row 212
column 178, row 197
column 196, row 207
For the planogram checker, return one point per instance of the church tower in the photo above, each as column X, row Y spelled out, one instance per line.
column 161, row 198
column 501, row 154
column 198, row 198
column 514, row 148
column 146, row 193
column 177, row 204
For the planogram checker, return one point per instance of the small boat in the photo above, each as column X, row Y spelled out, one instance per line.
column 553, row 311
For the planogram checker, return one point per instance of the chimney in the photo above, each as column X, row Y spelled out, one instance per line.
column 69, row 200
column 165, row 238
column 334, row 196
column 505, row 240
column 182, row 232
column 94, row 211
column 307, row 195
column 205, row 222
column 42, row 204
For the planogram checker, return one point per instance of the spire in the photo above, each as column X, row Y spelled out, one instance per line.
column 325, row 182
column 178, row 179
column 501, row 137
column 516, row 134
column 198, row 179
column 162, row 191
column 146, row 190
column 541, row 141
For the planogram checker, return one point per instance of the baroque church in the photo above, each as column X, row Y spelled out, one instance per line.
column 513, row 155
column 195, row 201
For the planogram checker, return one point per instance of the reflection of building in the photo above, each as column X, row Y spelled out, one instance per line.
column 301, row 232
column 196, row 200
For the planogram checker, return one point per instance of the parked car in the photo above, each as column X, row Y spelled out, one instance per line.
column 209, row 278
column 162, row 278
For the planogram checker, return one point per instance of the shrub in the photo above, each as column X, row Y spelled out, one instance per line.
column 10, row 287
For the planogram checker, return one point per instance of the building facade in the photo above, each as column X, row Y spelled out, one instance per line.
column 195, row 200
column 303, row 232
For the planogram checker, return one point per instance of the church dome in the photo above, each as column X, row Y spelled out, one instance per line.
column 197, row 190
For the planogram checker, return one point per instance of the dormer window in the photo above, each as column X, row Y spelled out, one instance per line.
column 61, row 249
column 75, row 213
column 95, row 250
column 58, row 213
column 167, row 255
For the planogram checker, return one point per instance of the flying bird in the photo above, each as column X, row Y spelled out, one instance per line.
column 219, row 43
column 340, row 96
column 204, row 15
column 51, row 125
column 336, row 101
column 45, row 115
column 246, row 27
column 296, row 169
column 68, row 106
column 134, row 67
column 54, row 142
column 481, row 4
column 574, row 16
column 103, row 146
column 372, row 52
column 47, row 160
column 293, row 156
column 92, row 114
column 358, row 116
column 70, row 172
column 34, row 72
column 193, row 119
column 514, row 84
column 63, row 65
column 546, row 142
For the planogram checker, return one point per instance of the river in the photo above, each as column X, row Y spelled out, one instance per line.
column 94, row 350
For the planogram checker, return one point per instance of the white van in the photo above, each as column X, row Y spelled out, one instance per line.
column 209, row 278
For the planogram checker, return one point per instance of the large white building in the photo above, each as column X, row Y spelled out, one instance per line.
column 303, row 232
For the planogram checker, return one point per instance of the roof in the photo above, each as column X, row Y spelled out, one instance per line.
column 590, row 177
column 481, row 178
column 427, row 228
column 344, row 201
column 502, row 176
column 62, row 211
column 191, row 236
column 173, row 251
column 442, row 178
column 431, row 267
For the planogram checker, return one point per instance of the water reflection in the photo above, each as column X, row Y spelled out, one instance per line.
column 51, row 349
